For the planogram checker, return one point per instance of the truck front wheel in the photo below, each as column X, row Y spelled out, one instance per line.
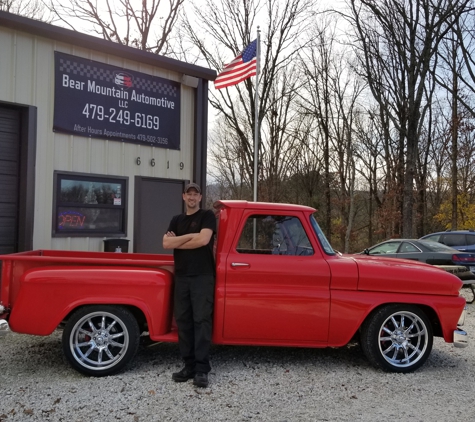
column 397, row 338
column 100, row 340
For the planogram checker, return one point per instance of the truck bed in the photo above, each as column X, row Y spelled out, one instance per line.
column 102, row 258
column 13, row 266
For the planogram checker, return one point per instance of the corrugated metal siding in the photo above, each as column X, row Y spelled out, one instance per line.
column 27, row 77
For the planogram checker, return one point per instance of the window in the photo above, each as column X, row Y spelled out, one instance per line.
column 407, row 247
column 89, row 205
column 274, row 235
column 470, row 239
column 388, row 247
column 454, row 240
column 321, row 237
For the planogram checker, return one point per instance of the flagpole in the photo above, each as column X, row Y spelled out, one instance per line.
column 256, row 113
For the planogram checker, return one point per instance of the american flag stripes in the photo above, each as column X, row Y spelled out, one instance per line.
column 241, row 68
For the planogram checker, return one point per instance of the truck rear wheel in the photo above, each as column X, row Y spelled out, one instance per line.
column 397, row 338
column 100, row 340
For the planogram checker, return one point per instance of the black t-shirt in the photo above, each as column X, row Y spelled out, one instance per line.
column 190, row 262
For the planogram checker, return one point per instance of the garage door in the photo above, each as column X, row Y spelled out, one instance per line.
column 9, row 178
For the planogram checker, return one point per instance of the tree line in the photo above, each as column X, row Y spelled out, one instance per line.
column 365, row 111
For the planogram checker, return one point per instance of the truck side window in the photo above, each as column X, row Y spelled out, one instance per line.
column 274, row 234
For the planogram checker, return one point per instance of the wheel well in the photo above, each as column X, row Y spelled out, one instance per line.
column 136, row 312
column 433, row 318
column 431, row 314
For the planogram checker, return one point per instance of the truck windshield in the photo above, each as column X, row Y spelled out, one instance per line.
column 321, row 237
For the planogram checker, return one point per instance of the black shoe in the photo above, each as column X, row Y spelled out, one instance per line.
column 184, row 375
column 201, row 380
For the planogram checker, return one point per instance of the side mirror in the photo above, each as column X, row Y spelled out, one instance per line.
column 366, row 251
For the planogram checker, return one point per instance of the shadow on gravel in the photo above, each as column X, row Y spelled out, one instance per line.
column 44, row 356
column 165, row 357
column 451, row 358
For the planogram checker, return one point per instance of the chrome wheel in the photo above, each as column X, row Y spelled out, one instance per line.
column 403, row 339
column 397, row 337
column 100, row 340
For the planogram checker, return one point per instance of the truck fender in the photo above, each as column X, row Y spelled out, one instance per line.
column 350, row 309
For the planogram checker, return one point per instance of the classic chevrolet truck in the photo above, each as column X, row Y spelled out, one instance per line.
column 278, row 283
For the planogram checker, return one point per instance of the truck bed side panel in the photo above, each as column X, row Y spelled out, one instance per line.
column 48, row 294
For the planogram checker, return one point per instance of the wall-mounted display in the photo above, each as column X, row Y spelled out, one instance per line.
column 94, row 99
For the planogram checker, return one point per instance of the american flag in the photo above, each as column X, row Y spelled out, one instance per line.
column 242, row 67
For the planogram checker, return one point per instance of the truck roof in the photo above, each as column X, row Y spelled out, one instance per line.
column 271, row 206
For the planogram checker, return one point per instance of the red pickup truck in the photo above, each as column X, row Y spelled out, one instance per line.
column 278, row 283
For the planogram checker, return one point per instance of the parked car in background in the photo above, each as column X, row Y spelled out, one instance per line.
column 462, row 240
column 427, row 251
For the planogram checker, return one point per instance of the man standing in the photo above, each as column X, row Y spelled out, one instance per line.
column 190, row 235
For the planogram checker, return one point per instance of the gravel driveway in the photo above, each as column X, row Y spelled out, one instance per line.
column 246, row 384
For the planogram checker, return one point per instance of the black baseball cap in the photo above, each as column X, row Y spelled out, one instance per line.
column 192, row 186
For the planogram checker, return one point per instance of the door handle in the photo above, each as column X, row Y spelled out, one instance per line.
column 240, row 264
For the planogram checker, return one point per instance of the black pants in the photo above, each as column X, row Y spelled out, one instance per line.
column 193, row 308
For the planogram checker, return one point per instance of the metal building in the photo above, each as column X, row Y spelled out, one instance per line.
column 96, row 139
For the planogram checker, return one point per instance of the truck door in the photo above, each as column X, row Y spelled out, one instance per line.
column 277, row 283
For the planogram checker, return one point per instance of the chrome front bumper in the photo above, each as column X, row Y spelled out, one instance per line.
column 4, row 328
column 460, row 336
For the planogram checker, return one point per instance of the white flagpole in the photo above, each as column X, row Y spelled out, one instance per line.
column 256, row 113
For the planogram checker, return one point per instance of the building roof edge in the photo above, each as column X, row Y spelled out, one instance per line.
column 46, row 30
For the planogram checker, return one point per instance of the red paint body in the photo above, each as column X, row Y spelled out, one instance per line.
column 312, row 301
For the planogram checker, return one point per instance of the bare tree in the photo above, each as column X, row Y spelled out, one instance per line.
column 455, row 74
column 33, row 9
column 369, row 151
column 307, row 179
column 329, row 94
column 147, row 26
column 316, row 101
column 219, row 30
column 396, row 44
column 227, row 164
column 466, row 47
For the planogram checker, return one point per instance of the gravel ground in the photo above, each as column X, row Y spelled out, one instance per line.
column 246, row 384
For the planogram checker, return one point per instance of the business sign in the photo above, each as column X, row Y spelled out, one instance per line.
column 94, row 99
